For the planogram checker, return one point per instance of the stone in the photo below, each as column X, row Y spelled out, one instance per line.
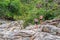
column 58, row 25
column 46, row 36
column 14, row 31
column 45, row 29
column 30, row 27
column 26, row 38
column 26, row 33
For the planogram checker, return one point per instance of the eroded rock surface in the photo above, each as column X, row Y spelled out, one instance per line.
column 14, row 31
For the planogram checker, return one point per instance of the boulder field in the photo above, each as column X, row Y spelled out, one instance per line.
column 49, row 30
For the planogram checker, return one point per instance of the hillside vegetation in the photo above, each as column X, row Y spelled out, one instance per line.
column 29, row 9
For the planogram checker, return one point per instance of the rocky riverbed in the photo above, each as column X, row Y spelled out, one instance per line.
column 13, row 30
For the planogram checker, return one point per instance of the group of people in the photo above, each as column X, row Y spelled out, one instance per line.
column 36, row 21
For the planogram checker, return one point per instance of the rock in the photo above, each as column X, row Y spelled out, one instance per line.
column 10, row 30
column 53, row 31
column 27, row 33
column 14, row 31
column 58, row 32
column 58, row 25
column 4, row 26
column 52, row 22
column 46, row 36
column 30, row 27
column 16, row 24
column 47, row 28
column 26, row 38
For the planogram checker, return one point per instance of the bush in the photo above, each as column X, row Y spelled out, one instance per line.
column 28, row 10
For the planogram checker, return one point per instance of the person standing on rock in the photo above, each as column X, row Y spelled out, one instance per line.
column 41, row 19
column 36, row 23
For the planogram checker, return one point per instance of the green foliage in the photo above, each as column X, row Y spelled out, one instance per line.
column 28, row 10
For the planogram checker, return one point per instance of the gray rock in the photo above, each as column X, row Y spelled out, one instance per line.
column 26, row 38
column 46, row 36
column 27, row 33
column 58, row 25
column 13, row 31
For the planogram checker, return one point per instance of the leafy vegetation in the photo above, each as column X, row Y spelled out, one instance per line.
column 28, row 9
